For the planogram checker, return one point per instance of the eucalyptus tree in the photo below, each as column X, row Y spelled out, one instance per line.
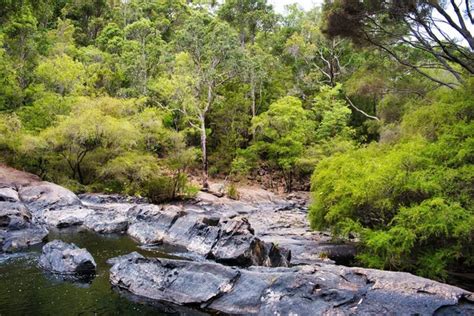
column 211, row 58
column 249, row 17
column 141, row 53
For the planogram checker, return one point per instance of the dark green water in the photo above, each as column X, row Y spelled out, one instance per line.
column 25, row 289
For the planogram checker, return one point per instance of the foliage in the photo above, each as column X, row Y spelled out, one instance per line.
column 232, row 192
column 410, row 202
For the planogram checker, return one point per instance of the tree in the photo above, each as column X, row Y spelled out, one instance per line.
column 10, row 92
column 211, row 59
column 397, row 27
column 61, row 74
column 409, row 201
column 329, row 57
column 141, row 52
column 86, row 130
column 282, row 133
column 20, row 42
column 249, row 17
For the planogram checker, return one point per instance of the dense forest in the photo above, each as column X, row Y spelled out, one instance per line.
column 367, row 103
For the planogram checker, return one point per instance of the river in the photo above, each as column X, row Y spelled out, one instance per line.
column 25, row 289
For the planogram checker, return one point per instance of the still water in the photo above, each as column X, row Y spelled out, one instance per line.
column 25, row 289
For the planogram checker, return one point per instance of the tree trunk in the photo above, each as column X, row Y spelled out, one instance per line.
column 205, row 174
column 79, row 173
column 253, row 96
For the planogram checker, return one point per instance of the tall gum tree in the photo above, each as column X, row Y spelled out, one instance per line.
column 211, row 58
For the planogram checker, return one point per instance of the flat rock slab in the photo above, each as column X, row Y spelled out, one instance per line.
column 106, row 223
column 63, row 258
column 306, row 290
column 65, row 217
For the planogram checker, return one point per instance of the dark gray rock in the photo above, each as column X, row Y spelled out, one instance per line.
column 63, row 258
column 237, row 245
column 14, row 216
column 129, row 257
column 230, row 241
column 173, row 281
column 306, row 290
column 14, row 240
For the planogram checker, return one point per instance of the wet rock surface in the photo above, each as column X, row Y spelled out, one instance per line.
column 15, row 240
column 63, row 258
column 304, row 290
column 17, row 229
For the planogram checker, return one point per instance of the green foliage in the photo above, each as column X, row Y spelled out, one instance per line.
column 411, row 202
column 232, row 192
column 128, row 173
column 282, row 131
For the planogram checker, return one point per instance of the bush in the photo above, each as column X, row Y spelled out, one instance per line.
column 232, row 192
column 160, row 189
column 410, row 202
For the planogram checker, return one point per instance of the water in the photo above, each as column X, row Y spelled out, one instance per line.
column 25, row 289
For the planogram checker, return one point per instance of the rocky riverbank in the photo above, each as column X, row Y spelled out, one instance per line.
column 318, row 289
column 243, row 253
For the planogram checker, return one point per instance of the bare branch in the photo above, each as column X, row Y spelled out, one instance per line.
column 469, row 12
column 360, row 111
column 407, row 64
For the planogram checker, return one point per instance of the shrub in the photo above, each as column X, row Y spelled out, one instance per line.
column 410, row 202
column 159, row 189
column 232, row 192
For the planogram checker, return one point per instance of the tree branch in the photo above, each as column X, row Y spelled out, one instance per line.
column 360, row 111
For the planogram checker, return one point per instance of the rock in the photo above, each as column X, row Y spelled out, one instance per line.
column 106, row 223
column 46, row 195
column 14, row 240
column 230, row 241
column 66, row 217
column 216, row 189
column 94, row 198
column 237, row 245
column 146, row 233
column 197, row 233
column 144, row 212
column 9, row 195
column 63, row 258
column 129, row 257
column 14, row 216
column 173, row 281
column 305, row 290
